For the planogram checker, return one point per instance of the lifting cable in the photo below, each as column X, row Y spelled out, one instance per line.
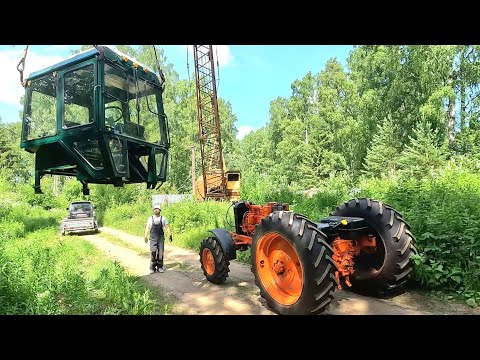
column 21, row 65
column 218, row 68
column 160, row 72
column 188, row 68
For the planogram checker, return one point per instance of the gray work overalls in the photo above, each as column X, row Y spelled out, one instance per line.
column 157, row 240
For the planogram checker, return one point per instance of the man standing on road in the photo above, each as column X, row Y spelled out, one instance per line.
column 155, row 225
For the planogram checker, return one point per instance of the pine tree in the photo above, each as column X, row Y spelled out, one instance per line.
column 382, row 156
column 424, row 153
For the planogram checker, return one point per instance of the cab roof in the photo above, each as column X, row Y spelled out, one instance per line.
column 114, row 55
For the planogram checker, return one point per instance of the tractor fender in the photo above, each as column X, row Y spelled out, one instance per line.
column 226, row 242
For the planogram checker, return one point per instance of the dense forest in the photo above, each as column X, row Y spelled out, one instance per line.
column 398, row 123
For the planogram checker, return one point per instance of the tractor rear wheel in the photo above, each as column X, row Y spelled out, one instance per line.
column 212, row 258
column 386, row 271
column 292, row 264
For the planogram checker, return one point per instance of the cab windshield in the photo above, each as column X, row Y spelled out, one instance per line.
column 132, row 106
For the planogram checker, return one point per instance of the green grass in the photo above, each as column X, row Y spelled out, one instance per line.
column 244, row 256
column 443, row 211
column 44, row 273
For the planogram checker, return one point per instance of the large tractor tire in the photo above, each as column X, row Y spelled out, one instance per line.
column 292, row 264
column 214, row 264
column 386, row 271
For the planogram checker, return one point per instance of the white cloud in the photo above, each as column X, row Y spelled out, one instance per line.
column 243, row 131
column 225, row 56
column 10, row 88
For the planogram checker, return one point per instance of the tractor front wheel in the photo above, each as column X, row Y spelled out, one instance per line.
column 292, row 264
column 212, row 258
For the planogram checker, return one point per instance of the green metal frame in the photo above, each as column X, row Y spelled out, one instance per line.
column 57, row 154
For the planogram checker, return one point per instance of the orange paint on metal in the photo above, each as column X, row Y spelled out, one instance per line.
column 241, row 239
column 345, row 250
column 279, row 268
column 255, row 214
column 208, row 261
column 251, row 219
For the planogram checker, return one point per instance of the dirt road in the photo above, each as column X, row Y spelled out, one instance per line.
column 184, row 282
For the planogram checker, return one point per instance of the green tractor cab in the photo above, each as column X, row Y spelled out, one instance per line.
column 98, row 116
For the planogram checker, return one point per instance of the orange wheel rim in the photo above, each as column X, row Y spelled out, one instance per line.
column 208, row 261
column 279, row 268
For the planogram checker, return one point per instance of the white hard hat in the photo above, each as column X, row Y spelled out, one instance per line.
column 156, row 206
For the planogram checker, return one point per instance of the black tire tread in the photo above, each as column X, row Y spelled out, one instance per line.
column 222, row 266
column 401, row 244
column 316, row 258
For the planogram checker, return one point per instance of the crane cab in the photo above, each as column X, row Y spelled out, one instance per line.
column 218, row 187
column 98, row 116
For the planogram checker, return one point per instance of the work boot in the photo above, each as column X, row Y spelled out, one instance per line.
column 160, row 270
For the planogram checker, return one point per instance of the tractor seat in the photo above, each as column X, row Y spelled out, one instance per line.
column 131, row 129
column 110, row 121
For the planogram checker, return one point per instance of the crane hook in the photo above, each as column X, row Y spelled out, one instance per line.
column 21, row 65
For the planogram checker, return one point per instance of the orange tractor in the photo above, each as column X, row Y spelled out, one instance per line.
column 297, row 263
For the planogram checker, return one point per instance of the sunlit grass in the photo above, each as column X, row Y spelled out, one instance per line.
column 44, row 273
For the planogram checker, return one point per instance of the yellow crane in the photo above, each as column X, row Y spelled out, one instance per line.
column 215, row 182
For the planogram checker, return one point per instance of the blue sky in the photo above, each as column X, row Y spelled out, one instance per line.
column 251, row 76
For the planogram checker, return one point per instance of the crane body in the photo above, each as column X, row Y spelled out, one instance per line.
column 215, row 182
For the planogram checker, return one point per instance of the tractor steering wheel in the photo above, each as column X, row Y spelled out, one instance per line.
column 117, row 108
